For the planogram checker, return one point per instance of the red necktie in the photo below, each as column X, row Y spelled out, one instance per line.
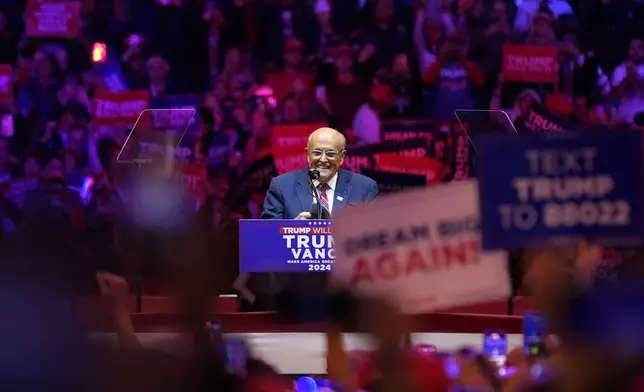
column 324, row 201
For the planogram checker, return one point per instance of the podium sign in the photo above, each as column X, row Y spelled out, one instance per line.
column 285, row 245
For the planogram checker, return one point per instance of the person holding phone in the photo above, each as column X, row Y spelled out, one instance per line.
column 407, row 88
column 293, row 78
column 452, row 80
column 133, row 62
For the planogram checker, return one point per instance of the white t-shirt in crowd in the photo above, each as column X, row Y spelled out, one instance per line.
column 633, row 102
column 366, row 125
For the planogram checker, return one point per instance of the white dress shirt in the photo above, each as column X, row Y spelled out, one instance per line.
column 330, row 192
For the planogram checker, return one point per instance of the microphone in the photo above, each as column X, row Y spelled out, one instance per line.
column 314, row 174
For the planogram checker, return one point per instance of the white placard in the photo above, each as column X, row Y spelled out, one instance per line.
column 421, row 248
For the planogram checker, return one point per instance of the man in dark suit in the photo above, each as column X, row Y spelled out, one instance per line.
column 290, row 195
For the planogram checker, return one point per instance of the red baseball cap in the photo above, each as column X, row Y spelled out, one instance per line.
column 426, row 372
column 559, row 103
column 267, row 383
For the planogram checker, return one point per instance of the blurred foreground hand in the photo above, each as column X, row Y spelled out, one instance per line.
column 112, row 287
column 471, row 376
column 553, row 275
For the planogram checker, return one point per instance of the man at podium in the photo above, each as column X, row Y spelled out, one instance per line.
column 290, row 195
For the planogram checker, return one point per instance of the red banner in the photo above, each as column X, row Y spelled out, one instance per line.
column 51, row 19
column 119, row 108
column 6, row 84
column 530, row 64
column 356, row 163
column 428, row 167
column 289, row 158
column 293, row 135
column 294, row 158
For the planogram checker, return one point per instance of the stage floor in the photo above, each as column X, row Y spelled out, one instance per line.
column 300, row 349
column 304, row 353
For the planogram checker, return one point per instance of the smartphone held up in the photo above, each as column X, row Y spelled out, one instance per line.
column 495, row 348
column 535, row 331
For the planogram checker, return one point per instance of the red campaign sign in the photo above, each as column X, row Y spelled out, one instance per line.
column 530, row 64
column 462, row 162
column 6, row 83
column 289, row 158
column 428, row 167
column 192, row 178
column 119, row 108
column 401, row 130
column 53, row 19
column 293, row 135
column 356, row 163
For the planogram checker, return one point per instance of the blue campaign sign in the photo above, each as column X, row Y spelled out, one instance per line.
column 546, row 189
column 285, row 245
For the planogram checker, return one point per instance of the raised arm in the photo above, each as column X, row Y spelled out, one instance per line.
column 92, row 152
column 114, row 289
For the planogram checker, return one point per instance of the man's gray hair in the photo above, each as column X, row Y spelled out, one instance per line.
column 343, row 139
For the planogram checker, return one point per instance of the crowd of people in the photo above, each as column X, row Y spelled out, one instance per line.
column 250, row 65
column 597, row 360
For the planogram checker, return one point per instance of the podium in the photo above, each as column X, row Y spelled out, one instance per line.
column 285, row 245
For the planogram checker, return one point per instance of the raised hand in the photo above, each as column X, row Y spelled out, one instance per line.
column 112, row 287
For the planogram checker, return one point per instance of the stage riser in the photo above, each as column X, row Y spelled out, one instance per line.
column 303, row 353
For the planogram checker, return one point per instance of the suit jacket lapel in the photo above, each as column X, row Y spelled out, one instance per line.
column 342, row 190
column 303, row 190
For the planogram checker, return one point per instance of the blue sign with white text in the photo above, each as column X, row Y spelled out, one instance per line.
column 285, row 245
column 548, row 189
